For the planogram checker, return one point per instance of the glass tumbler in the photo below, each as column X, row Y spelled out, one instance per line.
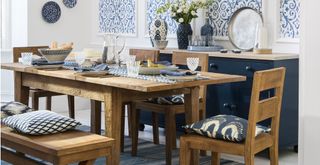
column 26, row 58
column 133, row 68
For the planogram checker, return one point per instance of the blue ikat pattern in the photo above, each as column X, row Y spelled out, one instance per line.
column 117, row 16
column 220, row 13
column 289, row 18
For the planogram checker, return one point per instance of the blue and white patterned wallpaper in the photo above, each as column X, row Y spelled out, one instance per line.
column 220, row 13
column 152, row 6
column 117, row 16
column 289, row 18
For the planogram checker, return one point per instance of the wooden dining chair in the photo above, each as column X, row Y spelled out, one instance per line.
column 141, row 55
column 37, row 93
column 260, row 110
column 170, row 111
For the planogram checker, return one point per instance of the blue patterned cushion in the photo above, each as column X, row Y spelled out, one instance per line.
column 40, row 123
column 169, row 100
column 225, row 127
column 13, row 108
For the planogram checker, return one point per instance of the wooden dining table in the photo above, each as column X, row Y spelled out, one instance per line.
column 112, row 90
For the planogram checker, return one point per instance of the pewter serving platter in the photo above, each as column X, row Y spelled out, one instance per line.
column 243, row 27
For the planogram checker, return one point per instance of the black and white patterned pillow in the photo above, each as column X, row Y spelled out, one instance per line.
column 13, row 108
column 40, row 123
column 169, row 100
column 225, row 127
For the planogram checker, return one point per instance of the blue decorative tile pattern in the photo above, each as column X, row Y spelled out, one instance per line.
column 221, row 11
column 289, row 18
column 117, row 16
column 152, row 6
column 70, row 3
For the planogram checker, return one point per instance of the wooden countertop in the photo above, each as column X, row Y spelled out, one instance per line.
column 242, row 55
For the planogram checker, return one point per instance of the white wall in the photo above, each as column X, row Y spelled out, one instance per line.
column 309, row 124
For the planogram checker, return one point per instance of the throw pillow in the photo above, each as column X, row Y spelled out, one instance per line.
column 225, row 127
column 40, row 123
column 13, row 108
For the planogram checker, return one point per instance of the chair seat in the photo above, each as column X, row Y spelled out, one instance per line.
column 195, row 141
column 160, row 108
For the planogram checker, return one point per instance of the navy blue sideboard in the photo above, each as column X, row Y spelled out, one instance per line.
column 234, row 98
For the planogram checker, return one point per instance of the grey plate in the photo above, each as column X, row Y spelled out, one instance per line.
column 243, row 28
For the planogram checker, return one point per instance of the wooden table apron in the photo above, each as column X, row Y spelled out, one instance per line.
column 112, row 96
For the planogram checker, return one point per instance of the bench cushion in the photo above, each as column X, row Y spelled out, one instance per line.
column 13, row 108
column 40, row 123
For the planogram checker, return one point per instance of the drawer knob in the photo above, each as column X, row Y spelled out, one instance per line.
column 232, row 107
column 213, row 66
column 250, row 69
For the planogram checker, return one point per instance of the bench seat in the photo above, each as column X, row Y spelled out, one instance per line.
column 60, row 149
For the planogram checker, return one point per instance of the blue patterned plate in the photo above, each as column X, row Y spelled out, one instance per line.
column 70, row 3
column 51, row 12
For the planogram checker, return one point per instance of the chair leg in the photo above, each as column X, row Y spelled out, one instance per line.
column 169, row 122
column 135, row 114
column 249, row 159
column 155, row 127
column 273, row 153
column 71, row 106
column 122, row 127
column 215, row 158
column 201, row 117
column 35, row 101
column 185, row 152
column 48, row 105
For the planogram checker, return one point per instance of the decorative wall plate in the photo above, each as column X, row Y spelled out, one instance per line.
column 51, row 12
column 70, row 3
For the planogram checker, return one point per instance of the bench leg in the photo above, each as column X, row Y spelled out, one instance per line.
column 87, row 162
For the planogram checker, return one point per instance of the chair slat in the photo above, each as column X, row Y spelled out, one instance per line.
column 271, row 79
column 145, row 54
column 267, row 108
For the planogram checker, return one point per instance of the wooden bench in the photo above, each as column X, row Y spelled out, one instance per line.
column 59, row 149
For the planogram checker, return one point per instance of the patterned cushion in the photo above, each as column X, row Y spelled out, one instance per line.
column 225, row 127
column 169, row 100
column 40, row 122
column 13, row 108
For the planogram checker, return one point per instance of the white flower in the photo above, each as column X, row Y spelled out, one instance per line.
column 179, row 10
column 181, row 20
column 173, row 14
column 186, row 10
column 193, row 13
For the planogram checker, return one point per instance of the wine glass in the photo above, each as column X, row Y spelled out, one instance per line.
column 118, row 48
column 192, row 63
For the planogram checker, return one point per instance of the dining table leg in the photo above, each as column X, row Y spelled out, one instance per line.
column 192, row 115
column 113, row 106
column 21, row 93
column 95, row 117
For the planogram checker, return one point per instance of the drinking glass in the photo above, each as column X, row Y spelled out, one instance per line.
column 192, row 63
column 131, row 58
column 26, row 58
column 80, row 58
column 133, row 68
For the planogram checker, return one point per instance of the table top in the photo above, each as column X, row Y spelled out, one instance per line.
column 125, row 82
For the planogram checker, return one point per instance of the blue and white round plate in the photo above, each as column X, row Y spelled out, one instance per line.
column 51, row 12
column 70, row 3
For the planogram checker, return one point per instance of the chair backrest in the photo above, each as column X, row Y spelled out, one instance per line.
column 145, row 54
column 18, row 50
column 180, row 58
column 261, row 110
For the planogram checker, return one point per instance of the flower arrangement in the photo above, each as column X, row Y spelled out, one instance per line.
column 183, row 11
